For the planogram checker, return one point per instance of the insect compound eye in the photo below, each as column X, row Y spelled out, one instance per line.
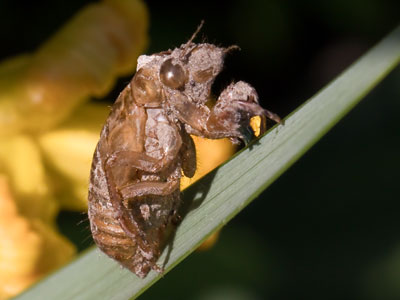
column 144, row 88
column 203, row 75
column 171, row 75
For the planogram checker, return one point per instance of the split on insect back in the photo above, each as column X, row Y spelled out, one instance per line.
column 145, row 145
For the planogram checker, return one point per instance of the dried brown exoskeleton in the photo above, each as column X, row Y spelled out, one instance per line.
column 145, row 145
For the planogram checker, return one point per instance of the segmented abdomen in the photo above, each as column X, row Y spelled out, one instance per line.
column 106, row 231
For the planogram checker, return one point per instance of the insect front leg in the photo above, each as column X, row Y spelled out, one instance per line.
column 229, row 117
column 235, row 106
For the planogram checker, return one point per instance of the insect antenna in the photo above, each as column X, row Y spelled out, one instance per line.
column 195, row 33
column 188, row 47
column 232, row 48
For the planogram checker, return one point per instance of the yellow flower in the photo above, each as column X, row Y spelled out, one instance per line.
column 29, row 247
column 44, row 166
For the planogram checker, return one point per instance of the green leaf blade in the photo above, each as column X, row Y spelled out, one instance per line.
column 232, row 186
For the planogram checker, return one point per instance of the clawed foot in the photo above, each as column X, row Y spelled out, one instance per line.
column 236, row 105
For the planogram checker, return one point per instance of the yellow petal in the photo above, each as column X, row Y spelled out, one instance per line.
column 255, row 123
column 20, row 158
column 55, row 250
column 28, row 248
column 209, row 154
column 209, row 242
column 101, row 42
column 69, row 149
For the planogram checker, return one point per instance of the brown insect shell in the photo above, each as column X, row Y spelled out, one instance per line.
column 205, row 62
column 200, row 63
column 151, row 120
column 146, row 91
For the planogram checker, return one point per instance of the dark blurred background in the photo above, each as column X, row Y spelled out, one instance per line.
column 329, row 228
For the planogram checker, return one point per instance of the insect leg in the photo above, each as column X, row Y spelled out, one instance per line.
column 230, row 116
column 144, row 162
column 121, row 212
column 149, row 188
column 188, row 155
column 131, row 226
